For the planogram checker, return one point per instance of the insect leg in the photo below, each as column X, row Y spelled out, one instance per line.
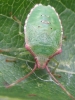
column 62, row 87
column 64, row 37
column 53, row 71
column 19, row 22
column 57, row 64
column 10, row 60
column 21, row 79
column 4, row 50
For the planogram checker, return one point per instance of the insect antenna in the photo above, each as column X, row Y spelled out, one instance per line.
column 63, row 88
column 21, row 79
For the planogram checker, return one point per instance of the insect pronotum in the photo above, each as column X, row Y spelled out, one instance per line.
column 43, row 38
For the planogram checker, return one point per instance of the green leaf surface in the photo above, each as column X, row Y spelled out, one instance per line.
column 15, row 61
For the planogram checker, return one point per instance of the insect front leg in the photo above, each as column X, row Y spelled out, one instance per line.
column 56, row 66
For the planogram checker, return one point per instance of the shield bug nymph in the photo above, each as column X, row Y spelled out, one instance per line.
column 43, row 39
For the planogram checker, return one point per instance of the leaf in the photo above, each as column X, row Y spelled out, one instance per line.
column 15, row 61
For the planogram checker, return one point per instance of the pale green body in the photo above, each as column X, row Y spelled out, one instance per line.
column 43, row 31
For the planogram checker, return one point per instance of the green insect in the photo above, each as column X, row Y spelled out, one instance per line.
column 43, row 38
